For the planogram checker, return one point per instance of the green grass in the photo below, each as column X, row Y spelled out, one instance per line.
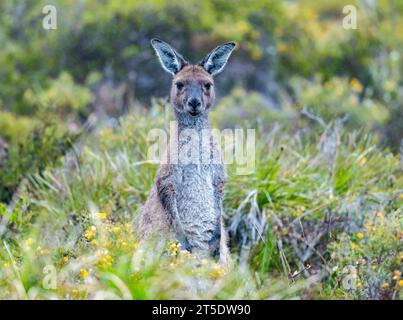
column 319, row 202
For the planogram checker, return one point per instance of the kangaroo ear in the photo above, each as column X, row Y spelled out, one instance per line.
column 216, row 60
column 170, row 60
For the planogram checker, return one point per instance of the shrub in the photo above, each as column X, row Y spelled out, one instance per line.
column 43, row 147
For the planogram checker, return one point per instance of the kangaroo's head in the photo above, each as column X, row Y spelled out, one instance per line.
column 192, row 89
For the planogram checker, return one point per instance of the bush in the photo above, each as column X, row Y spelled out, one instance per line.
column 43, row 147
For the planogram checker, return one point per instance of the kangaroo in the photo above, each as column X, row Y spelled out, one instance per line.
column 186, row 198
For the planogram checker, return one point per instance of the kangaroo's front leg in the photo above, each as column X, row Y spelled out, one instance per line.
column 166, row 193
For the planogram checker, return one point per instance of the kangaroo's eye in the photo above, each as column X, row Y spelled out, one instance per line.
column 207, row 86
column 179, row 85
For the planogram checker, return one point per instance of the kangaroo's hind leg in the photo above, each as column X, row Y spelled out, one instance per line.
column 225, row 256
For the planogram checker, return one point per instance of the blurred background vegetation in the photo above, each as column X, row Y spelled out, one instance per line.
column 295, row 68
column 292, row 56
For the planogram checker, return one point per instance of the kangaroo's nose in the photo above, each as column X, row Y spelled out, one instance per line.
column 194, row 104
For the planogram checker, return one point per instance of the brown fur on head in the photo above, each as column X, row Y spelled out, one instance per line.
column 192, row 89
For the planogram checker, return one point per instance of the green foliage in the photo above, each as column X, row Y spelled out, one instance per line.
column 338, row 98
column 306, row 188
column 43, row 147
column 62, row 97
column 277, row 41
column 322, row 205
column 15, row 129
column 374, row 254
column 242, row 108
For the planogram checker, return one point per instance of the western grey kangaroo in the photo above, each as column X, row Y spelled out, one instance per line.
column 186, row 198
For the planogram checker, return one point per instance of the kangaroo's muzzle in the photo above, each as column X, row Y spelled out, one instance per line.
column 194, row 106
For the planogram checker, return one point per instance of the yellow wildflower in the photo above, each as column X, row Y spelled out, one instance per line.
column 360, row 235
column 42, row 251
column 354, row 246
column 116, row 229
column 101, row 215
column 385, row 285
column 363, row 161
column 174, row 248
column 105, row 261
column 66, row 259
column 186, row 254
column 397, row 274
column 75, row 294
column 128, row 227
column 28, row 243
column 84, row 273
column 401, row 283
column 124, row 244
column 90, row 233
column 217, row 272
column 356, row 85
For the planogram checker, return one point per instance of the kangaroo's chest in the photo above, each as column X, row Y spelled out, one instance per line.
column 197, row 206
column 195, row 194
